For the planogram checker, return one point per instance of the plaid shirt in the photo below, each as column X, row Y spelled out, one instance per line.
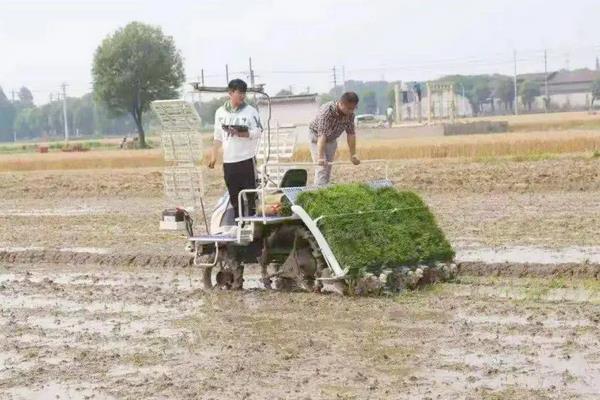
column 331, row 123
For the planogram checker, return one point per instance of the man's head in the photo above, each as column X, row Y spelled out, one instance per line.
column 347, row 103
column 237, row 92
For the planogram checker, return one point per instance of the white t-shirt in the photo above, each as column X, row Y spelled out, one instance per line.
column 236, row 149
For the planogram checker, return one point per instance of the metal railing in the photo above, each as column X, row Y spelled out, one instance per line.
column 263, row 190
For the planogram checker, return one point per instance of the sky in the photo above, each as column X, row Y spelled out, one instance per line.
column 44, row 43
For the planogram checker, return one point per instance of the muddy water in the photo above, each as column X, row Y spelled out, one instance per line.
column 53, row 391
column 530, row 254
column 83, row 331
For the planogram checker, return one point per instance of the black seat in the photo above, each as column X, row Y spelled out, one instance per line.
column 294, row 178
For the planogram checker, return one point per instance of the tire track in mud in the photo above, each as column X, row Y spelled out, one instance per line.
column 576, row 270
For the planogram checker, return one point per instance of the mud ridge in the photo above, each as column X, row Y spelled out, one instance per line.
column 67, row 257
column 563, row 270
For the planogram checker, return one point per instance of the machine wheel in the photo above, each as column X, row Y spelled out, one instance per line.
column 230, row 273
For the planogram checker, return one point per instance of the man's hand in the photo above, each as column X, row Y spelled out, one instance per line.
column 212, row 161
column 354, row 159
column 322, row 162
column 245, row 134
column 235, row 132
column 232, row 132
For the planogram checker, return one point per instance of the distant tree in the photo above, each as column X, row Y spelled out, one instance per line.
column 7, row 117
column 207, row 110
column 135, row 66
column 284, row 92
column 528, row 91
column 370, row 100
column 391, row 98
column 84, row 122
column 28, row 122
column 25, row 97
column 481, row 93
column 53, row 118
column 476, row 88
column 380, row 88
column 325, row 98
column 595, row 91
column 505, row 91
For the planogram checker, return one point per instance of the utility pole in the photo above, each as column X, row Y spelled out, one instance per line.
column 344, row 77
column 252, row 78
column 462, row 101
column 398, row 102
column 515, row 82
column 251, row 72
column 334, row 81
column 14, row 130
column 547, row 98
column 226, row 74
column 202, row 76
column 429, row 104
column 64, row 92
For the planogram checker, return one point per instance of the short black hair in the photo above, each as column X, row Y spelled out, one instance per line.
column 349, row 98
column 237, row 84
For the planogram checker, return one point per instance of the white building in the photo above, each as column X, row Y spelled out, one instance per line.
column 567, row 90
column 296, row 110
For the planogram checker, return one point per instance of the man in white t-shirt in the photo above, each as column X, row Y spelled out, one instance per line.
column 237, row 130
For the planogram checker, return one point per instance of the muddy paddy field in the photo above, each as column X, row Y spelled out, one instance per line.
column 96, row 303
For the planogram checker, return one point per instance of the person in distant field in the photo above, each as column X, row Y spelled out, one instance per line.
column 333, row 119
column 237, row 130
column 390, row 116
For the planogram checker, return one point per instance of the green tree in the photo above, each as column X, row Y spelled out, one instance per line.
column 206, row 110
column 325, row 98
column 528, row 91
column 7, row 118
column 595, row 91
column 370, row 101
column 28, row 122
column 505, row 91
column 380, row 88
column 391, row 98
column 476, row 88
column 25, row 97
column 135, row 66
column 481, row 93
column 84, row 122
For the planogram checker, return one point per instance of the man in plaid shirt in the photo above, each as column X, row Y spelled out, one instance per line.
column 333, row 119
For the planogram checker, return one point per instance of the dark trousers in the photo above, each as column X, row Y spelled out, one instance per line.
column 239, row 176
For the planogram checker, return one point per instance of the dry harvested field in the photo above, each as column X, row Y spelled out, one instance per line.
column 373, row 144
column 95, row 302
